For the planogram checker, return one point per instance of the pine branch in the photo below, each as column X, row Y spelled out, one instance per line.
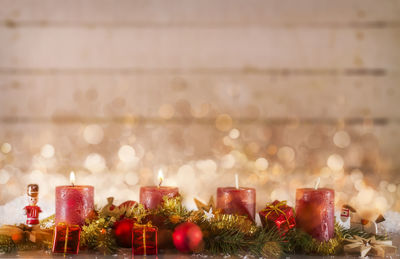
column 6, row 244
column 98, row 235
column 233, row 240
column 349, row 233
column 301, row 242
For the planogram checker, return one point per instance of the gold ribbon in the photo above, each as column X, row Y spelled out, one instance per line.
column 276, row 208
column 66, row 239
column 67, row 229
column 34, row 234
column 369, row 246
column 143, row 226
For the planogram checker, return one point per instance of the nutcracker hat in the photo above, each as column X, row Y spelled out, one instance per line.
column 33, row 190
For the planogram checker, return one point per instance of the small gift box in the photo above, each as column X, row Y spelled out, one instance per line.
column 66, row 239
column 144, row 239
column 278, row 214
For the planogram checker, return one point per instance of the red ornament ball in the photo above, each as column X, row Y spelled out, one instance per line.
column 187, row 237
column 123, row 232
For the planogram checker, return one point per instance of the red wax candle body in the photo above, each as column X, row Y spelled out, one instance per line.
column 240, row 201
column 315, row 212
column 74, row 204
column 152, row 196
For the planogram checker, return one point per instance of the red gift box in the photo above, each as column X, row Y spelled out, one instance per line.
column 278, row 214
column 144, row 239
column 66, row 239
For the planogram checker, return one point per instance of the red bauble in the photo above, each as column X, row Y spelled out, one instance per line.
column 187, row 237
column 123, row 232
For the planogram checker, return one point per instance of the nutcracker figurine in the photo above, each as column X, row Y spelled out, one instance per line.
column 32, row 211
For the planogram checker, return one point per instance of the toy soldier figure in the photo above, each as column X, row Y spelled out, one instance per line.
column 32, row 211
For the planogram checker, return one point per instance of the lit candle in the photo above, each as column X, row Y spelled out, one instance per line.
column 152, row 196
column 237, row 200
column 74, row 203
column 315, row 211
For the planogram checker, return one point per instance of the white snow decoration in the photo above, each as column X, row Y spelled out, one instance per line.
column 392, row 222
column 13, row 212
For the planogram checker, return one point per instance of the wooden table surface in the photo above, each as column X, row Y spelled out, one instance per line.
column 125, row 253
column 40, row 254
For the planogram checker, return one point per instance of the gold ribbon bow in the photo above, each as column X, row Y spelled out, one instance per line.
column 369, row 246
column 143, row 226
column 34, row 234
column 276, row 208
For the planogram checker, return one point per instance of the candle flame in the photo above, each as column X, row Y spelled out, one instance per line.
column 237, row 181
column 160, row 177
column 72, row 178
column 317, row 183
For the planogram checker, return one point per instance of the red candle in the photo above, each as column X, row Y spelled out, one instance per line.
column 241, row 201
column 74, row 203
column 152, row 196
column 315, row 212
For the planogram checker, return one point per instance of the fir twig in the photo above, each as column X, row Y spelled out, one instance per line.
column 301, row 242
column 6, row 244
column 98, row 235
column 350, row 233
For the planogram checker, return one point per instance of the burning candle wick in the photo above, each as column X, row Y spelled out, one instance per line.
column 237, row 181
column 72, row 178
column 317, row 183
column 160, row 177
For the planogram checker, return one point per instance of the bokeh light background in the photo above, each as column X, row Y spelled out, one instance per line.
column 279, row 92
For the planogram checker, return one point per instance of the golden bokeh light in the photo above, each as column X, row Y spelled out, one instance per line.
column 95, row 163
column 6, row 148
column 234, row 133
column 47, row 151
column 286, row 154
column 126, row 153
column 93, row 134
column 228, row 161
column 4, row 176
column 223, row 122
column 131, row 178
column 335, row 162
column 261, row 163
column 341, row 139
column 272, row 150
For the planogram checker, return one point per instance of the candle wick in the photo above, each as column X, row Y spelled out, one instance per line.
column 159, row 185
column 237, row 181
column 317, row 183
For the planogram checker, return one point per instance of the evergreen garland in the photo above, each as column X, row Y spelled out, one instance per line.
column 222, row 234
column 301, row 242
column 6, row 244
column 98, row 235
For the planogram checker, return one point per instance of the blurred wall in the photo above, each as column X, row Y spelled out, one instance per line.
column 280, row 91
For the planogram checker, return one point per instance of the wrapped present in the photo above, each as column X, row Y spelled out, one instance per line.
column 144, row 239
column 278, row 214
column 66, row 239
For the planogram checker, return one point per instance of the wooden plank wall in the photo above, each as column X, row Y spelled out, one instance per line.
column 158, row 74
